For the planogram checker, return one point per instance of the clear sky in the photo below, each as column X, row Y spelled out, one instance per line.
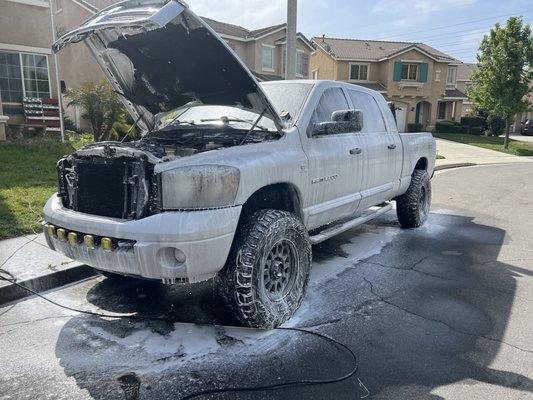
column 452, row 26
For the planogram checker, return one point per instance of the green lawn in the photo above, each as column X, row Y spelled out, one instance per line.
column 516, row 147
column 27, row 178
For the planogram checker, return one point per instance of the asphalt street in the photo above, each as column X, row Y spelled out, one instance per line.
column 440, row 312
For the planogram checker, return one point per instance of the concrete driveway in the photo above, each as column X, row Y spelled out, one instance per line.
column 441, row 312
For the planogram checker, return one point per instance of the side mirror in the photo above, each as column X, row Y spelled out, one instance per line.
column 342, row 121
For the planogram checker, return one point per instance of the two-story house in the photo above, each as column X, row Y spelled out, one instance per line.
column 264, row 50
column 464, row 71
column 26, row 61
column 418, row 79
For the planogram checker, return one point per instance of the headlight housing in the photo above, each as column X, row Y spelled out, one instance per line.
column 199, row 187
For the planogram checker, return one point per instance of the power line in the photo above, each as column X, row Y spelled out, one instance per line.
column 462, row 23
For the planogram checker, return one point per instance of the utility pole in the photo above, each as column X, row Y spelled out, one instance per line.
column 58, row 82
column 290, row 58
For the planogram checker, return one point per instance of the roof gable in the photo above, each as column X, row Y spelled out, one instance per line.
column 374, row 50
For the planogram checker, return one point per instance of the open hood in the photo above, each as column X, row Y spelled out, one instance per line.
column 159, row 56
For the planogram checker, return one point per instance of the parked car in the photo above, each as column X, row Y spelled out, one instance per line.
column 527, row 128
column 232, row 180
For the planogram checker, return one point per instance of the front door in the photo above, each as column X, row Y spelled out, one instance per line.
column 401, row 115
column 335, row 165
column 382, row 148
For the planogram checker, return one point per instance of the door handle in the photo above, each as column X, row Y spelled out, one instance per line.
column 356, row 150
column 391, row 146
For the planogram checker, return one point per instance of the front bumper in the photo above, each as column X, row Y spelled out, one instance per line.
column 204, row 237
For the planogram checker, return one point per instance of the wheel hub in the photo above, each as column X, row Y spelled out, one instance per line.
column 279, row 270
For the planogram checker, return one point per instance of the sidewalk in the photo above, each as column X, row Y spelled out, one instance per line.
column 458, row 154
column 34, row 265
column 527, row 139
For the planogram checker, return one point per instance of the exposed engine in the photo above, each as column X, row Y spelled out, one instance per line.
column 117, row 180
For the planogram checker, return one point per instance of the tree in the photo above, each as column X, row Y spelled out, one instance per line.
column 501, row 81
column 100, row 105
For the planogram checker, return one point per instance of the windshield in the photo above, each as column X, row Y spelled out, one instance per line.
column 213, row 115
column 287, row 97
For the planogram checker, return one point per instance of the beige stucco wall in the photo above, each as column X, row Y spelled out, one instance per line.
column 26, row 28
column 324, row 64
column 25, row 24
column 431, row 91
column 240, row 49
column 255, row 53
column 76, row 64
column 375, row 70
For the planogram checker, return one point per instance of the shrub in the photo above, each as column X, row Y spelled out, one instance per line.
column 495, row 125
column 473, row 121
column 477, row 130
column 414, row 127
column 465, row 129
column 445, row 127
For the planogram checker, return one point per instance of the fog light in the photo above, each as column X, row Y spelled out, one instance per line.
column 73, row 238
column 107, row 244
column 179, row 255
column 88, row 240
column 61, row 234
column 51, row 230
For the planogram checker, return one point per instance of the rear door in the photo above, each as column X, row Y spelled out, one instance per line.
column 334, row 165
column 382, row 151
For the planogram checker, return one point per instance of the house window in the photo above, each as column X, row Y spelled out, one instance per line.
column 23, row 75
column 315, row 74
column 451, row 75
column 437, row 75
column 441, row 110
column 409, row 72
column 359, row 72
column 302, row 64
column 268, row 58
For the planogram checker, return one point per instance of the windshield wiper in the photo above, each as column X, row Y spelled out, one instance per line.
column 227, row 120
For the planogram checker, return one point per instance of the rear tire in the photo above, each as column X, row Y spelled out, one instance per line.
column 412, row 208
column 267, row 272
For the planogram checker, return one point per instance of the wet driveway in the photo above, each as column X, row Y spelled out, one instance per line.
column 439, row 312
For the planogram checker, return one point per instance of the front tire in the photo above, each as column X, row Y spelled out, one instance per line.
column 267, row 272
column 412, row 208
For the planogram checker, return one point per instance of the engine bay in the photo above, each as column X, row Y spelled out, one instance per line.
column 171, row 144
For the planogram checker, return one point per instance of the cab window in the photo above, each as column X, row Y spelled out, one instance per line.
column 372, row 115
column 332, row 99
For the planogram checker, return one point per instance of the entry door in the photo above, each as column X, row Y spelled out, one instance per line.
column 335, row 165
column 382, row 149
column 401, row 115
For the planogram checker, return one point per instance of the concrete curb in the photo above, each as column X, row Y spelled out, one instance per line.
column 10, row 292
column 455, row 165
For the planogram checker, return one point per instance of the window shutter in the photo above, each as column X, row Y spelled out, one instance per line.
column 305, row 65
column 423, row 76
column 397, row 76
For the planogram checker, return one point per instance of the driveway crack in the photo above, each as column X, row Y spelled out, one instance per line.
column 387, row 301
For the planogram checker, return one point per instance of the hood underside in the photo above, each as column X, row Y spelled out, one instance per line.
column 160, row 56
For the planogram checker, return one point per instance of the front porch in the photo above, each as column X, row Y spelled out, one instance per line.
column 425, row 112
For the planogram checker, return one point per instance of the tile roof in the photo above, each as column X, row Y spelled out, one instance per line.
column 455, row 93
column 372, row 50
column 227, row 29
column 222, row 28
column 464, row 70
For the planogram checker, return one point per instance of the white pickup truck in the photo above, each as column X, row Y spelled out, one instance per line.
column 232, row 179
